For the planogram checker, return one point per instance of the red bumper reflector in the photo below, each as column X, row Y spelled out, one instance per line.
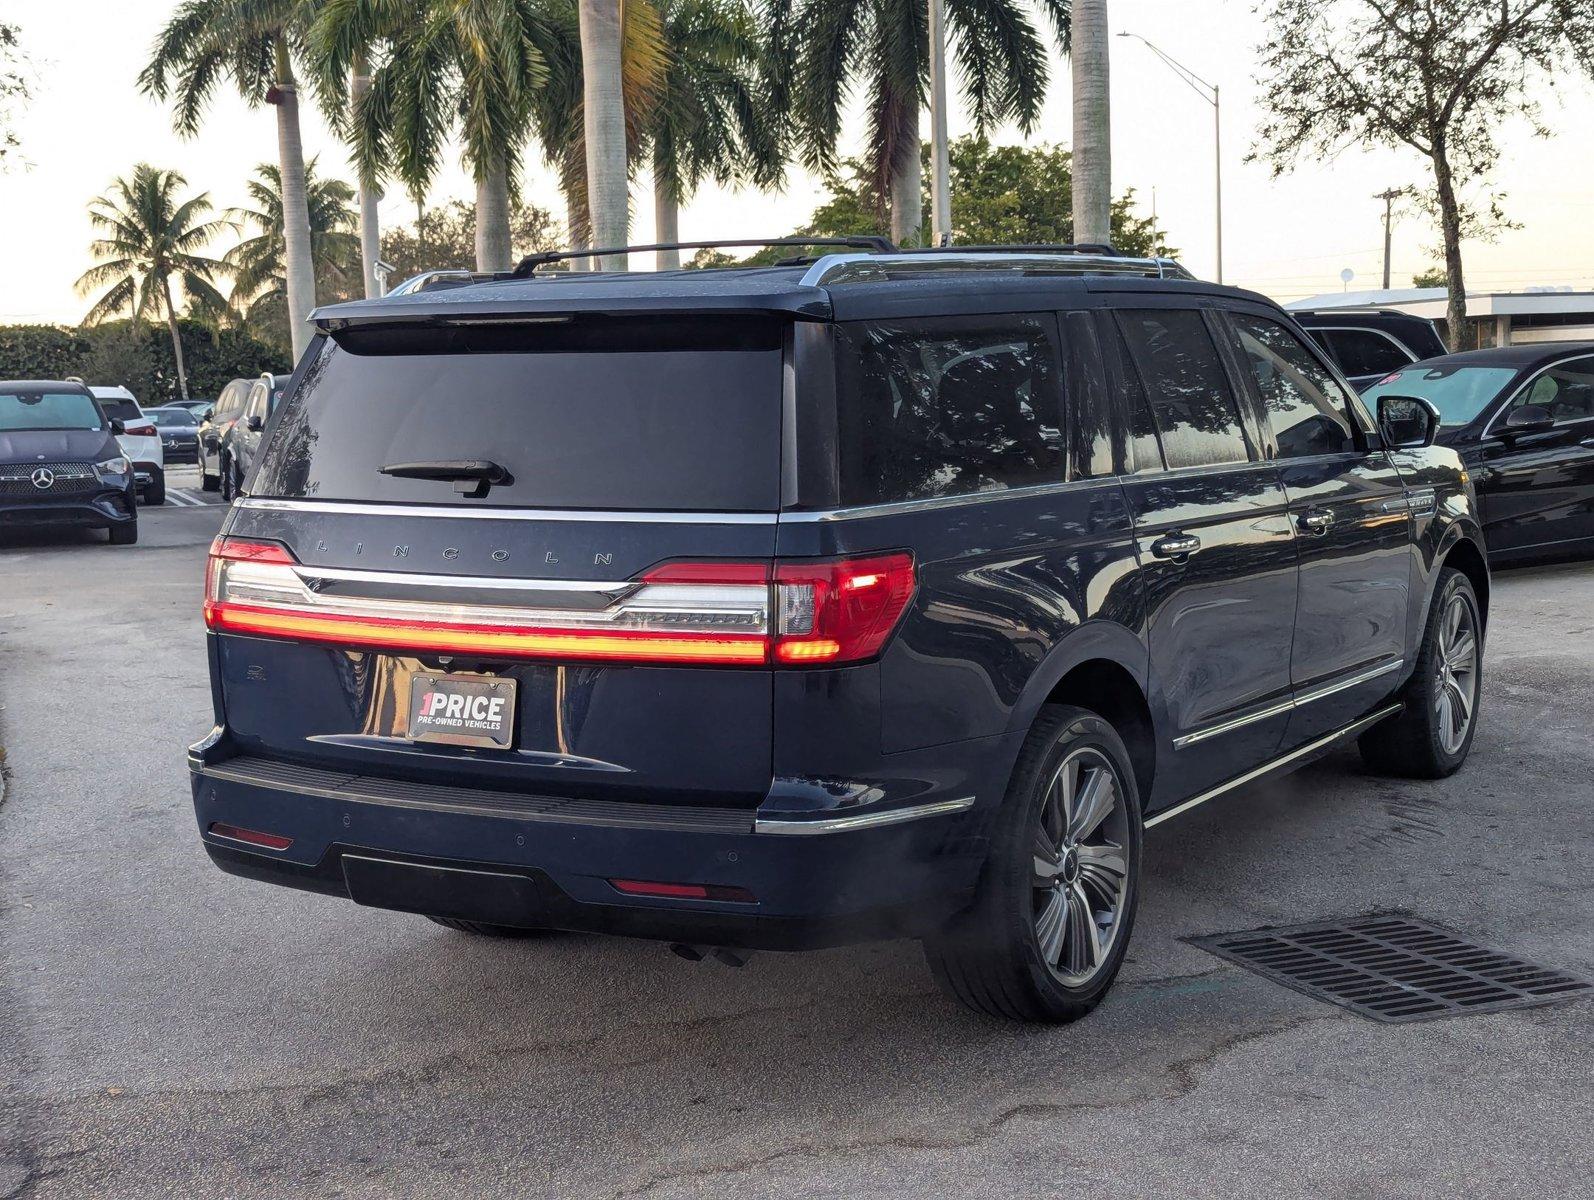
column 252, row 837
column 682, row 891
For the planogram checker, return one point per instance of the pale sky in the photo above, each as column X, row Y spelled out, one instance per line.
column 1288, row 238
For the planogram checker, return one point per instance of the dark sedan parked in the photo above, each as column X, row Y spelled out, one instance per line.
column 1522, row 418
column 179, row 430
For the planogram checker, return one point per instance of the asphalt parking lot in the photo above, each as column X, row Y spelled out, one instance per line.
column 169, row 1030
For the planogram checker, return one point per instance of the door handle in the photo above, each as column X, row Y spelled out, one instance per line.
column 1317, row 521
column 1175, row 545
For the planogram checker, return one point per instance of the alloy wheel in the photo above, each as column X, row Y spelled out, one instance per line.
column 1081, row 871
column 1456, row 665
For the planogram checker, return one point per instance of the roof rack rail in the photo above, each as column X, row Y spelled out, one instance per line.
column 1106, row 249
column 528, row 265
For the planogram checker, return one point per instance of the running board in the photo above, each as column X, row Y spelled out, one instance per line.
column 1293, row 758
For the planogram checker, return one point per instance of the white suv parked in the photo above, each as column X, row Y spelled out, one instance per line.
column 140, row 441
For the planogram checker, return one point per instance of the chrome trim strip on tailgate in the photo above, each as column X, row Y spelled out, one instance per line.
column 475, row 512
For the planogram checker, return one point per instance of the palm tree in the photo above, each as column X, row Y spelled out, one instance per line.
column 882, row 46
column 253, row 43
column 603, row 125
column 151, row 234
column 259, row 283
column 471, row 65
column 709, row 121
column 1092, row 124
column 560, row 109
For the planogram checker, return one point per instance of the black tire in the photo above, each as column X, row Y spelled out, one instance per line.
column 990, row 957
column 208, row 483
column 155, row 493
column 484, row 929
column 125, row 534
column 1421, row 742
column 228, row 485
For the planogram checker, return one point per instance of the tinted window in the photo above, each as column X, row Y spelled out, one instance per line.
column 1567, row 391
column 1089, row 400
column 231, row 400
column 1363, row 351
column 48, row 410
column 1189, row 392
column 167, row 419
column 1305, row 406
column 1145, row 453
column 255, row 406
column 604, row 414
column 120, row 410
column 947, row 407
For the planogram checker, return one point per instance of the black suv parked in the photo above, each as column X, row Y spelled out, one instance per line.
column 888, row 594
column 1368, row 343
column 60, row 463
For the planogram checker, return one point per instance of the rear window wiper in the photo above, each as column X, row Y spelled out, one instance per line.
column 470, row 476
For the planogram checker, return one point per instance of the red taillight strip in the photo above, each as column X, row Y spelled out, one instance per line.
column 250, row 837
column 683, row 891
column 396, row 634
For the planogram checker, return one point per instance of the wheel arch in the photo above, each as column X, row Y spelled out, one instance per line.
column 1466, row 555
column 1101, row 667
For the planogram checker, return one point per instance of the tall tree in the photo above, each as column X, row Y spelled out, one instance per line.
column 882, row 47
column 471, row 67
column 253, row 43
column 259, row 280
column 1092, row 123
column 559, row 112
column 708, row 121
column 1437, row 77
column 603, row 126
column 14, row 88
column 150, row 235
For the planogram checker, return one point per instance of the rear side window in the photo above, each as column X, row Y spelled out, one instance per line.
column 947, row 407
column 592, row 413
column 1565, row 391
column 1363, row 351
column 232, row 400
column 1305, row 405
column 120, row 410
column 1188, row 388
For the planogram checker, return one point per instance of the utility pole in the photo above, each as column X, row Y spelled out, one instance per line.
column 940, row 161
column 1388, row 197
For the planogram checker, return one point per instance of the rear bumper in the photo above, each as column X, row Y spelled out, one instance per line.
column 99, row 510
column 542, row 862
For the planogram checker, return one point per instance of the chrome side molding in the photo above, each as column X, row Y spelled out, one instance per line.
column 1301, row 701
column 1277, row 764
column 483, row 513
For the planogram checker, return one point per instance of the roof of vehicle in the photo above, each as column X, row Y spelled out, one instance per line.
column 112, row 391
column 1522, row 357
column 35, row 385
column 833, row 287
column 1354, row 316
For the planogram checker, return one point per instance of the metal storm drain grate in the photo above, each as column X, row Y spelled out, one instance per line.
column 1393, row 968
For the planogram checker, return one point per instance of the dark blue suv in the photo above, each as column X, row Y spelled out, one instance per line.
column 880, row 595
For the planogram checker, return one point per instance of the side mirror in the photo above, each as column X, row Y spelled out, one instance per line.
column 1407, row 422
column 255, row 424
column 1529, row 418
column 207, row 414
column 117, row 427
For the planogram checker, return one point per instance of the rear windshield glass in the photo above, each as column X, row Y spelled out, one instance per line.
column 165, row 418
column 48, row 410
column 598, row 414
column 121, row 410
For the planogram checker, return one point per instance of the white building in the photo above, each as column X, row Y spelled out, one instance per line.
column 1535, row 314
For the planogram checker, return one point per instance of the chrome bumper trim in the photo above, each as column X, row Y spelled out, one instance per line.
column 893, row 816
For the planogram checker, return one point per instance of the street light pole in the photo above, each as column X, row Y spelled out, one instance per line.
column 940, row 159
column 1208, row 92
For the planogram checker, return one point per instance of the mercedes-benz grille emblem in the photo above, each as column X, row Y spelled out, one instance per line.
column 43, row 478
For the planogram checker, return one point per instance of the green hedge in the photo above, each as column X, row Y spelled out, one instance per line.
column 139, row 359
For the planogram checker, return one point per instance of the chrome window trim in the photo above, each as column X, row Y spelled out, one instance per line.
column 1527, row 384
column 1267, row 768
column 866, row 820
column 1301, row 701
column 617, row 516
